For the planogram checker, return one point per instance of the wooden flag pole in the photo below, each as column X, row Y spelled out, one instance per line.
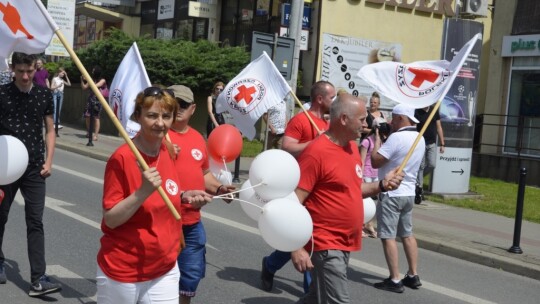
column 105, row 105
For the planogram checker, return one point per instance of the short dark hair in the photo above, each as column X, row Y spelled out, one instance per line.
column 320, row 88
column 22, row 58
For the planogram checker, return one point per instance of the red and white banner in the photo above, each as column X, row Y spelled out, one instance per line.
column 23, row 28
column 417, row 84
column 130, row 79
column 251, row 93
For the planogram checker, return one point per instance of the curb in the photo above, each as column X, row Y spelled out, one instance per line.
column 479, row 256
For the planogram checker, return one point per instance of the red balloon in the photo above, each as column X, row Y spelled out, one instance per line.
column 225, row 142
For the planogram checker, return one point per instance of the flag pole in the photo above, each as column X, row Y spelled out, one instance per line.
column 305, row 112
column 104, row 104
column 419, row 136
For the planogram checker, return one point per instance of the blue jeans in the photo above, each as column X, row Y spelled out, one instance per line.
column 277, row 259
column 32, row 186
column 192, row 260
column 58, row 99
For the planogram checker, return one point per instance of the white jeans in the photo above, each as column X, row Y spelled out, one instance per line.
column 160, row 290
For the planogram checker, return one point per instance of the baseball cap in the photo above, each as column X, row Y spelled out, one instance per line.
column 182, row 92
column 405, row 110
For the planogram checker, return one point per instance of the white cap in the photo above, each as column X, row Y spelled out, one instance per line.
column 402, row 109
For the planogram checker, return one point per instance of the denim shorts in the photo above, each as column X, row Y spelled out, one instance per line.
column 394, row 216
column 192, row 260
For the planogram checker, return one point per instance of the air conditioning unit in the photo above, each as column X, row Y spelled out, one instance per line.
column 474, row 7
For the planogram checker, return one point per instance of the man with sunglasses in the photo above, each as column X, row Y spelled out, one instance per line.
column 194, row 173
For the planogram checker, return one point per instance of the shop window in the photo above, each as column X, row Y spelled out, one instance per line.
column 164, row 30
column 184, row 29
column 523, row 123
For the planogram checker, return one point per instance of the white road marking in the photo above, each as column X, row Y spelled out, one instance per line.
column 63, row 274
column 79, row 174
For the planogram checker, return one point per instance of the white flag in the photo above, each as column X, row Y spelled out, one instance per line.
column 251, row 93
column 23, row 28
column 417, row 84
column 129, row 80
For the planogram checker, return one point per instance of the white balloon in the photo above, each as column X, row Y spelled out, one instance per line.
column 293, row 197
column 13, row 159
column 369, row 209
column 285, row 225
column 249, row 195
column 224, row 177
column 277, row 170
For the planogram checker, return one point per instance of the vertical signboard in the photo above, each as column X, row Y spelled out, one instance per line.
column 165, row 9
column 342, row 58
column 63, row 13
column 457, row 111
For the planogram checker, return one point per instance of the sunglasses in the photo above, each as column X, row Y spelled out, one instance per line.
column 219, row 89
column 183, row 104
column 153, row 91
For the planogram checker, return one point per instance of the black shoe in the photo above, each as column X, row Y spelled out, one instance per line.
column 43, row 286
column 3, row 278
column 411, row 282
column 267, row 278
column 389, row 285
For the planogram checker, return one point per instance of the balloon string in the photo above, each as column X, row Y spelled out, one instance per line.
column 241, row 200
column 226, row 195
column 226, row 170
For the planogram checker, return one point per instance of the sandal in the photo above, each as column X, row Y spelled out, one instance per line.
column 94, row 138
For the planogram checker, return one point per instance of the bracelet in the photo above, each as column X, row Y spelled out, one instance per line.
column 218, row 189
column 381, row 186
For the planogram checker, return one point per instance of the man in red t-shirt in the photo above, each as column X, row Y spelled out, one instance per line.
column 332, row 192
column 298, row 134
column 193, row 173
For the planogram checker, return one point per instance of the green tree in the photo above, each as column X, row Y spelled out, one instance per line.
column 194, row 64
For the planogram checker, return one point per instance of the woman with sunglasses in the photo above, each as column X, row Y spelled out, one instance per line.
column 214, row 119
column 141, row 239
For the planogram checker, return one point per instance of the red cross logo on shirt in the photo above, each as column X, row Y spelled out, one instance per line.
column 13, row 19
column 197, row 154
column 421, row 75
column 245, row 94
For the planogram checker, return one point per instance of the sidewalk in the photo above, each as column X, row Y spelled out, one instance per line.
column 470, row 235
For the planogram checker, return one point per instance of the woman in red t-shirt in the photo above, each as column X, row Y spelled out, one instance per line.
column 141, row 239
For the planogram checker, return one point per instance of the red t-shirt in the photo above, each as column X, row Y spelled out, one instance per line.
column 147, row 245
column 191, row 163
column 300, row 128
column 333, row 177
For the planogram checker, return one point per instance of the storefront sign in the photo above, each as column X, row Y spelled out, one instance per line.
column 523, row 45
column 342, row 58
column 286, row 16
column 202, row 10
column 63, row 13
column 439, row 7
column 165, row 9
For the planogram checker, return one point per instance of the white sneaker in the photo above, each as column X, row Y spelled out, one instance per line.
column 60, row 127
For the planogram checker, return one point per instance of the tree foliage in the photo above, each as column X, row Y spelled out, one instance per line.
column 194, row 64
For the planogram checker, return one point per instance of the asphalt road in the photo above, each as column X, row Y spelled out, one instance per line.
column 234, row 252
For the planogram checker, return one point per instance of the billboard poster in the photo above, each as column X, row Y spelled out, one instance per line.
column 342, row 58
column 458, row 110
column 63, row 13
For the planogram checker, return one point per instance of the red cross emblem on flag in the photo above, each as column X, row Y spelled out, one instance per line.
column 245, row 93
column 12, row 19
